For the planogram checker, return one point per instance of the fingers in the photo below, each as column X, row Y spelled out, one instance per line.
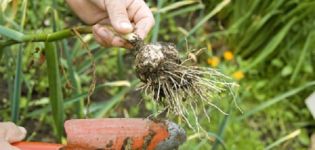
column 107, row 38
column 121, row 13
column 144, row 26
column 15, row 134
column 142, row 16
column 88, row 12
column 4, row 145
column 118, row 16
column 11, row 133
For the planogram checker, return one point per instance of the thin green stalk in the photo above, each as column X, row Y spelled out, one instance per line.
column 254, row 30
column 222, row 126
column 308, row 44
column 12, row 34
column 155, row 32
column 29, row 95
column 276, row 40
column 76, row 87
column 15, row 104
column 62, row 45
column 55, row 88
column 275, row 100
column 205, row 137
column 80, row 97
column 120, row 63
column 175, row 6
column 39, row 37
column 86, row 64
column 185, row 10
column 217, row 9
column 283, row 139
column 8, row 66
column 100, row 109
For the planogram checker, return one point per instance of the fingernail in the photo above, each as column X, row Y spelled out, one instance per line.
column 126, row 25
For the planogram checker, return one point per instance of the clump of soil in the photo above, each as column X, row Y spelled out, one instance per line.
column 181, row 88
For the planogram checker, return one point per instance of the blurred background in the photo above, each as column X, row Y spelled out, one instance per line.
column 266, row 46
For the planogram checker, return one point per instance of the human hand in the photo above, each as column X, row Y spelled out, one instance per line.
column 10, row 133
column 125, row 16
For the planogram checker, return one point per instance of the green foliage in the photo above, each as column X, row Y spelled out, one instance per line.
column 55, row 88
column 17, row 88
column 272, row 42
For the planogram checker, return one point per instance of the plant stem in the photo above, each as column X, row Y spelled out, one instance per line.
column 48, row 37
column 17, row 87
column 55, row 88
column 157, row 24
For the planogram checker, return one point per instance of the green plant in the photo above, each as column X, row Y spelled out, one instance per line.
column 272, row 43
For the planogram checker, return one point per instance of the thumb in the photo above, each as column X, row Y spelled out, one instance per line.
column 16, row 135
column 118, row 16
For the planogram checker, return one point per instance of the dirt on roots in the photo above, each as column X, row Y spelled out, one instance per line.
column 177, row 85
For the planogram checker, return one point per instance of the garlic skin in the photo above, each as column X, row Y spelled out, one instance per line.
column 152, row 59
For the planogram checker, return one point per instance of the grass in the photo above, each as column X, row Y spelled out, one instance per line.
column 283, row 139
column 275, row 100
column 272, row 44
column 217, row 9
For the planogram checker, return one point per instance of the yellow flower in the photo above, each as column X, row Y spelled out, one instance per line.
column 228, row 55
column 238, row 75
column 214, row 61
